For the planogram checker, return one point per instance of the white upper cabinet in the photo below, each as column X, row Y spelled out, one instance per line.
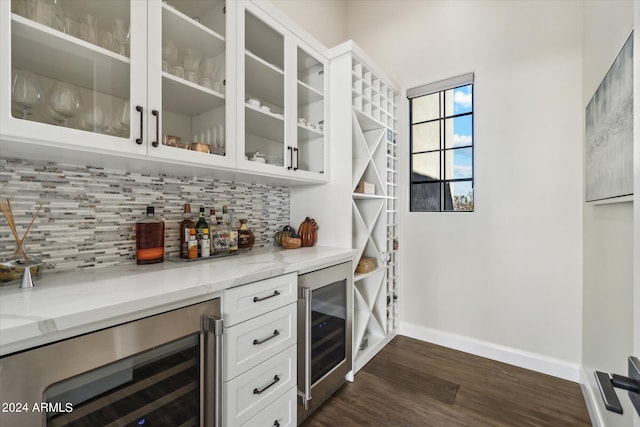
column 190, row 55
column 71, row 74
column 198, row 85
column 282, row 88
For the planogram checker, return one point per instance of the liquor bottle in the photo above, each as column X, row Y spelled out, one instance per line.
column 246, row 238
column 221, row 239
column 193, row 244
column 202, row 228
column 186, row 224
column 150, row 238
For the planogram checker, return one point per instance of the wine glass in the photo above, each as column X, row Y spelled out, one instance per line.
column 121, row 33
column 26, row 92
column 169, row 55
column 64, row 101
column 121, row 119
column 96, row 119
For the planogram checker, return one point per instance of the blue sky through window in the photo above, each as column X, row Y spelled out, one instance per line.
column 462, row 134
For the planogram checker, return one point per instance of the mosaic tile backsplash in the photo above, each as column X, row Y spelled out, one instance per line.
column 88, row 214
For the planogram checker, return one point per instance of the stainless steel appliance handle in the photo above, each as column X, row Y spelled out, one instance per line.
column 306, row 296
column 214, row 327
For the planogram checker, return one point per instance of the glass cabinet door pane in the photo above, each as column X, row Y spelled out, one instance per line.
column 264, row 92
column 156, row 387
column 70, row 64
column 328, row 328
column 310, row 126
column 194, row 75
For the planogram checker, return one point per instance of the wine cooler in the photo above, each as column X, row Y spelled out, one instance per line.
column 324, row 334
column 163, row 370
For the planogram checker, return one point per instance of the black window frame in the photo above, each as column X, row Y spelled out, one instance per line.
column 446, row 204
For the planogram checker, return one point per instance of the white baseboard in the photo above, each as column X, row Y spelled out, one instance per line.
column 591, row 400
column 535, row 362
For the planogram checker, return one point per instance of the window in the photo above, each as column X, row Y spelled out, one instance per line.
column 441, row 142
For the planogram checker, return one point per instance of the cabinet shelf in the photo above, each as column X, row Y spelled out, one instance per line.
column 267, row 125
column 368, row 196
column 308, row 94
column 51, row 53
column 186, row 98
column 307, row 134
column 264, row 81
column 186, row 32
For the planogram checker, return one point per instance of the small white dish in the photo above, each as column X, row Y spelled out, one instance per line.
column 265, row 108
column 253, row 102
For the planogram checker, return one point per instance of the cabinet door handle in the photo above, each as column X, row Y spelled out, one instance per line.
column 290, row 157
column 275, row 294
column 141, row 111
column 297, row 158
column 258, row 342
column 276, row 423
column 157, row 114
column 263, row 389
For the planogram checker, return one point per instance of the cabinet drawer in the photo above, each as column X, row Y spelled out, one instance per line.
column 253, row 391
column 282, row 412
column 250, row 343
column 248, row 301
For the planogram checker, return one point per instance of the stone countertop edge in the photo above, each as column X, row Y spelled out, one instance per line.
column 64, row 305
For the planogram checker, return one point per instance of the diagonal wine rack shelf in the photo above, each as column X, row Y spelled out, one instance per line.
column 375, row 224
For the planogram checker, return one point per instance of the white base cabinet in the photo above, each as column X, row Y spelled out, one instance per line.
column 260, row 352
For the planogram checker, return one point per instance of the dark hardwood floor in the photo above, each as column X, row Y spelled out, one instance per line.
column 413, row 383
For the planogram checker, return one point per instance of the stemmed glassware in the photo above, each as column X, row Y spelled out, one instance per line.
column 122, row 33
column 169, row 55
column 121, row 120
column 26, row 92
column 96, row 119
column 64, row 102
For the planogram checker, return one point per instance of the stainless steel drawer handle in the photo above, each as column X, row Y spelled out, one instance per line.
column 263, row 389
column 275, row 294
column 258, row 342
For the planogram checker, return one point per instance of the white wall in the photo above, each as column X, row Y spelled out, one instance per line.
column 325, row 20
column 506, row 280
column 607, row 337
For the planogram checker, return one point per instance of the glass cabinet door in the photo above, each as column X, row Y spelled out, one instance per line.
column 71, row 70
column 188, row 67
column 264, row 94
column 309, row 153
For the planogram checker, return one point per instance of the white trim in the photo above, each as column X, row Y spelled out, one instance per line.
column 591, row 399
column 524, row 359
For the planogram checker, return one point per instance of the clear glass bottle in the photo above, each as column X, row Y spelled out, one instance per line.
column 220, row 241
column 186, row 224
column 150, row 238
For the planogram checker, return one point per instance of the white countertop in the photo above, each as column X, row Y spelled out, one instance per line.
column 63, row 305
